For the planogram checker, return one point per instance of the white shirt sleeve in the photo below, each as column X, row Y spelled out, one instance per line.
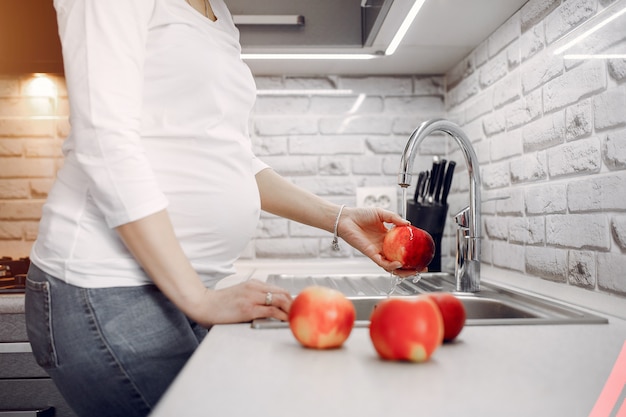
column 104, row 52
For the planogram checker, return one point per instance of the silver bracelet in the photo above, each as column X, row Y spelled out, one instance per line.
column 335, row 243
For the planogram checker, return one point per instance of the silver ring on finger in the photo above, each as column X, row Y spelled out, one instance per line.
column 268, row 298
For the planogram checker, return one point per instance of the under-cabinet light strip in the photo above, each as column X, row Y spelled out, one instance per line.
column 594, row 56
column 603, row 22
column 305, row 92
column 404, row 27
column 306, row 56
column 269, row 19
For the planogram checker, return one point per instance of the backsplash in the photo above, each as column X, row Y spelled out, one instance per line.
column 33, row 124
column 550, row 135
column 331, row 135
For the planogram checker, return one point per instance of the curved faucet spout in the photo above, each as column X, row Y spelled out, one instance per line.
column 467, row 269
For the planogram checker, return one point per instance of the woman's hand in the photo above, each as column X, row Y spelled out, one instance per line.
column 154, row 244
column 364, row 229
column 244, row 302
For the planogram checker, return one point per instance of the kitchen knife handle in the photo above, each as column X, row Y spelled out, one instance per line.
column 447, row 182
column 420, row 179
column 424, row 187
column 440, row 174
column 433, row 179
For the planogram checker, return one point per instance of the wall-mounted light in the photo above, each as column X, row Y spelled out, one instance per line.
column 43, row 96
column 41, row 86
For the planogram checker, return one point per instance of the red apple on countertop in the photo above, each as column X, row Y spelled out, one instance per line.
column 321, row 317
column 453, row 314
column 406, row 329
column 411, row 246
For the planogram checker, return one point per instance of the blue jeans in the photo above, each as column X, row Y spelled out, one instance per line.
column 110, row 351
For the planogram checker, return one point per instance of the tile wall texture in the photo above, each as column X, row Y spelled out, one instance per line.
column 550, row 135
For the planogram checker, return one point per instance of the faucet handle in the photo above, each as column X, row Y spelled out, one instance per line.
column 462, row 217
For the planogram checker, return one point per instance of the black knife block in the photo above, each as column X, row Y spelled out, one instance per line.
column 432, row 218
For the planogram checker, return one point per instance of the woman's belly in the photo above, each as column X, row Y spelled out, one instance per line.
column 213, row 198
column 213, row 203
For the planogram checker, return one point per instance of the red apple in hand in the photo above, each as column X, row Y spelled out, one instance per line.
column 453, row 314
column 321, row 317
column 406, row 329
column 411, row 246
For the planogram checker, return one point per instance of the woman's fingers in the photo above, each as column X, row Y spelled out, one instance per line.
column 391, row 217
column 387, row 265
column 274, row 313
column 278, row 303
column 273, row 301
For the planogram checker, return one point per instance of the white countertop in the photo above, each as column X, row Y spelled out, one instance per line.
column 518, row 370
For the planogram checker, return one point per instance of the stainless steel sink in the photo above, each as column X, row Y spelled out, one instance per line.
column 492, row 305
column 478, row 309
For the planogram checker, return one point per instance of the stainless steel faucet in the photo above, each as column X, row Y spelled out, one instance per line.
column 467, row 268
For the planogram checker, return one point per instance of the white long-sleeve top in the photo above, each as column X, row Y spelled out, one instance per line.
column 159, row 109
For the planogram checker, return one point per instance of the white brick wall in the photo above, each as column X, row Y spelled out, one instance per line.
column 556, row 138
column 332, row 144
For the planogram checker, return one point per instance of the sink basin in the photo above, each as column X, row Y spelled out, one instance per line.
column 478, row 309
column 492, row 305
